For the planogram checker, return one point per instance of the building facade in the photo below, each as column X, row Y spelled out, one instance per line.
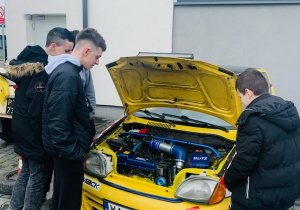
column 262, row 33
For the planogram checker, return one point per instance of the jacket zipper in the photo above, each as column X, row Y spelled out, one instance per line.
column 247, row 187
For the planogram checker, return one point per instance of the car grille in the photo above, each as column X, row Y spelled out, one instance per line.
column 90, row 202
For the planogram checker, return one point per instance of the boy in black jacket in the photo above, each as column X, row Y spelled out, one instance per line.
column 265, row 172
column 68, row 131
column 28, row 72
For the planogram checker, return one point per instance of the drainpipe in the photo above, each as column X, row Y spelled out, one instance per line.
column 84, row 14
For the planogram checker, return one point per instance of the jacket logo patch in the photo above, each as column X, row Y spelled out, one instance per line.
column 40, row 87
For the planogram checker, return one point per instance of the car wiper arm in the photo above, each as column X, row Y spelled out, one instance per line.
column 162, row 117
column 201, row 123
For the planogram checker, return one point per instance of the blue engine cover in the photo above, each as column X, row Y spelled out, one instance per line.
column 135, row 161
column 199, row 160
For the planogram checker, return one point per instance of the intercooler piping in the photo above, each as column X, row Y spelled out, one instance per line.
column 177, row 151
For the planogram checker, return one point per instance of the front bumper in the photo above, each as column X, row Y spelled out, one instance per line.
column 95, row 193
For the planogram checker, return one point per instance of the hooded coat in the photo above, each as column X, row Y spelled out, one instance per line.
column 265, row 172
column 28, row 72
column 68, row 130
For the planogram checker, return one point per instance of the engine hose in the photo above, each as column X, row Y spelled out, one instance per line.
column 137, row 146
column 174, row 141
column 177, row 151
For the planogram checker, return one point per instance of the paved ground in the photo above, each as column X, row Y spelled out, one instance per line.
column 8, row 163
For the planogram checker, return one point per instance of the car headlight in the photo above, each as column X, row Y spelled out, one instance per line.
column 98, row 164
column 201, row 189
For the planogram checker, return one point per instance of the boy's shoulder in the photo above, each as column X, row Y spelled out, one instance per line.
column 66, row 68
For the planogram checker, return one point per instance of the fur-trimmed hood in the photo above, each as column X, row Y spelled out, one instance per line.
column 23, row 70
column 31, row 60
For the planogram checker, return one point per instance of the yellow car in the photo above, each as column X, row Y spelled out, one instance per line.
column 174, row 143
column 239, row 69
column 7, row 94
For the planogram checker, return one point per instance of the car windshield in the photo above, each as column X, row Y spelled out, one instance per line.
column 183, row 116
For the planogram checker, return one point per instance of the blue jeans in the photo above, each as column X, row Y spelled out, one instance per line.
column 29, row 186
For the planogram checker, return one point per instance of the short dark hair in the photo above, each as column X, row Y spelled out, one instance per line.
column 93, row 36
column 74, row 33
column 252, row 79
column 58, row 36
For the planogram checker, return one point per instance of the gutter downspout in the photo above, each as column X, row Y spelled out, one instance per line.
column 84, row 14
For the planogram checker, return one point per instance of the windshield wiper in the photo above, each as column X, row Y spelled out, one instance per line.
column 162, row 117
column 201, row 123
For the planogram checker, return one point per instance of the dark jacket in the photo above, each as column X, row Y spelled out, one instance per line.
column 28, row 72
column 67, row 128
column 265, row 173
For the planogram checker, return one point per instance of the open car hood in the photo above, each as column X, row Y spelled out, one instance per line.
column 152, row 81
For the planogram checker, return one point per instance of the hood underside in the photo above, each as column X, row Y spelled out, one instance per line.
column 151, row 81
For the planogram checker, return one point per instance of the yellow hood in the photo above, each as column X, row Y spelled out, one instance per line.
column 152, row 81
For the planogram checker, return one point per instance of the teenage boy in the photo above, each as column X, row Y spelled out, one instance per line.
column 264, row 174
column 28, row 72
column 86, row 77
column 67, row 128
column 88, row 84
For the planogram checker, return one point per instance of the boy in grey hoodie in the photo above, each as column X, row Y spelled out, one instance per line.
column 85, row 75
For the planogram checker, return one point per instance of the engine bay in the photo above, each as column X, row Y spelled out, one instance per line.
column 159, row 154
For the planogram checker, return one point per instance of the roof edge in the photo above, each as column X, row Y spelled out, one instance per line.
column 236, row 2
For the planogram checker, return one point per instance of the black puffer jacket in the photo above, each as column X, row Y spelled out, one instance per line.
column 67, row 128
column 265, row 173
column 28, row 72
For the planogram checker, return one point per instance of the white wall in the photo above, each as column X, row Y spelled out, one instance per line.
column 16, row 24
column 254, row 36
column 128, row 27
column 44, row 25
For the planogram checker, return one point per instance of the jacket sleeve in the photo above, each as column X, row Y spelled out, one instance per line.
column 89, row 91
column 61, row 106
column 248, row 147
